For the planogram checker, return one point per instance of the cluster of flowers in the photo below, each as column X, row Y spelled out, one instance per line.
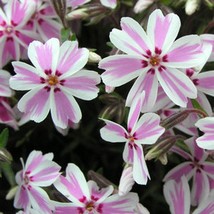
column 167, row 73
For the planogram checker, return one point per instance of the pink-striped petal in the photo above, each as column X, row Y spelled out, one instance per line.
column 209, row 38
column 145, row 82
column 73, row 186
column 185, row 52
column 21, row 199
column 36, row 103
column 132, row 39
column 113, row 132
column 5, row 90
column 208, row 167
column 177, row 86
column 44, row 56
column 163, row 29
column 205, row 82
column 83, row 84
column 120, row 69
column 177, row 195
column 200, row 188
column 148, row 129
column 64, row 108
column 135, row 110
column 177, row 172
column 61, row 208
column 140, row 170
column 71, row 58
column 26, row 77
column 181, row 152
column 120, row 204
column 75, row 3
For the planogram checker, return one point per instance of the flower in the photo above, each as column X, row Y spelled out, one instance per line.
column 196, row 166
column 143, row 130
column 54, row 81
column 206, row 125
column 177, row 195
column 39, row 171
column 153, row 58
column 87, row 198
column 14, row 36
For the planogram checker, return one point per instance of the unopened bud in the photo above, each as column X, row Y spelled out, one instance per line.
column 77, row 14
column 93, row 57
column 191, row 6
column 12, row 192
column 141, row 5
column 5, row 156
column 109, row 89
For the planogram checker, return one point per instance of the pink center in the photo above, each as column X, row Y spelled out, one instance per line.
column 8, row 30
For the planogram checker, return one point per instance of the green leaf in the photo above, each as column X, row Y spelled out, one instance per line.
column 197, row 105
column 4, row 138
column 8, row 173
column 65, row 34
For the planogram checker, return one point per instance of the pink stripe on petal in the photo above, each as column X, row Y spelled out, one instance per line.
column 163, row 29
column 176, row 173
column 208, row 167
column 181, row 152
column 120, row 69
column 135, row 110
column 185, row 52
column 200, row 188
column 83, row 84
column 36, row 104
column 177, row 195
column 33, row 161
column 64, row 108
column 140, row 170
column 61, row 208
column 71, row 58
column 147, row 82
column 75, row 3
column 113, row 132
column 21, row 200
column 205, row 207
column 148, row 129
column 206, row 141
column 177, row 86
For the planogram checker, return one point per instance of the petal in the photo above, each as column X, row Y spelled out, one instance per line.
column 177, row 86
column 134, row 111
column 206, row 124
column 120, row 204
column 132, row 39
column 21, row 200
column 36, row 103
column 181, row 152
column 200, row 188
column 113, row 132
column 71, row 58
column 147, row 82
column 75, row 3
column 206, row 141
column 209, row 38
column 177, row 195
column 74, row 186
column 61, row 208
column 163, row 30
column 185, row 52
column 5, row 90
column 205, row 82
column 109, row 3
column 26, row 77
column 177, row 172
column 140, row 170
column 208, row 167
column 64, row 108
column 120, row 69
column 83, row 84
column 148, row 129
column 44, row 56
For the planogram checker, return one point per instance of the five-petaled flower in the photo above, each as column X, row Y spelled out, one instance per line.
column 88, row 198
column 39, row 171
column 153, row 58
column 54, row 81
column 143, row 130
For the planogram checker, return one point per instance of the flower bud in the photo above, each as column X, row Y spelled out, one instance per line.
column 141, row 5
column 191, row 6
column 93, row 57
column 5, row 156
column 12, row 192
column 77, row 14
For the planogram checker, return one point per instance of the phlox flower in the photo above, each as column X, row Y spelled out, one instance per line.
column 153, row 57
column 39, row 171
column 14, row 36
column 88, row 198
column 197, row 167
column 206, row 125
column 140, row 131
column 45, row 20
column 54, row 81
column 177, row 195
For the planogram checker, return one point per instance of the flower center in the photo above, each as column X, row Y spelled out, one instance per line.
column 9, row 29
column 26, row 180
column 90, row 206
column 154, row 60
column 52, row 80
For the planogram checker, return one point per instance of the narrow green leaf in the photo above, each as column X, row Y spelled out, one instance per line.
column 8, row 173
column 197, row 105
column 4, row 138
